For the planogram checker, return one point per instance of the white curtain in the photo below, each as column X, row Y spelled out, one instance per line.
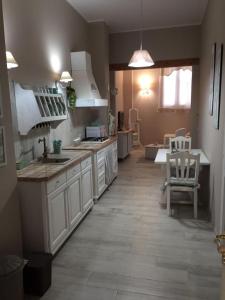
column 176, row 86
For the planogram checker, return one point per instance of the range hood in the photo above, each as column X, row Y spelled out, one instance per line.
column 84, row 82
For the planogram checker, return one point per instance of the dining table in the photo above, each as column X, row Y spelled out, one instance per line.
column 161, row 156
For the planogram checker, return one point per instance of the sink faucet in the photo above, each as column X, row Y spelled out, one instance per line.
column 45, row 153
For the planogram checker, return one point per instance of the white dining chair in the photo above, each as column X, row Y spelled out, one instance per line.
column 180, row 132
column 180, row 143
column 182, row 176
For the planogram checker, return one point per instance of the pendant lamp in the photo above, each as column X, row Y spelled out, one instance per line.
column 141, row 58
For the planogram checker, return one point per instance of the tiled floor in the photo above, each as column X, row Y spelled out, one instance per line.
column 129, row 249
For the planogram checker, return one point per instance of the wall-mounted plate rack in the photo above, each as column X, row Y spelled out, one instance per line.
column 34, row 108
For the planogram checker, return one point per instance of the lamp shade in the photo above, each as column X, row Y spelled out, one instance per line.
column 10, row 60
column 66, row 77
column 140, row 59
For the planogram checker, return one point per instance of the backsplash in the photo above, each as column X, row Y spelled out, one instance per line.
column 27, row 147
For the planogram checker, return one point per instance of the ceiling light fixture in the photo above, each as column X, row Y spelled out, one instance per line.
column 10, row 60
column 141, row 58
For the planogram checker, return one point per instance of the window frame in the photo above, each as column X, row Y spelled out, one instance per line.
column 175, row 107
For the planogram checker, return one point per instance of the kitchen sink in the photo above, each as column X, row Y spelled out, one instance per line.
column 52, row 160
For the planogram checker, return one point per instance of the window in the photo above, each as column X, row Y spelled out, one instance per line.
column 176, row 88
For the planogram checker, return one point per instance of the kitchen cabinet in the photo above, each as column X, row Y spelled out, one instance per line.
column 52, row 209
column 87, row 188
column 74, row 201
column 125, row 143
column 58, row 221
column 105, row 168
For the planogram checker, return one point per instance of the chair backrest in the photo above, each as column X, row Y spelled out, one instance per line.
column 180, row 143
column 180, row 132
column 183, row 166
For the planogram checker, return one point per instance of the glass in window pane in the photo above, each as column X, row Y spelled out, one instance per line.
column 169, row 90
column 185, row 80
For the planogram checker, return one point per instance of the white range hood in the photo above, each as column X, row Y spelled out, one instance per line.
column 84, row 82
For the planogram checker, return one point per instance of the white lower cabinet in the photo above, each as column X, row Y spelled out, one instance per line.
column 105, row 168
column 51, row 210
column 125, row 143
column 58, row 220
column 87, row 188
column 74, row 201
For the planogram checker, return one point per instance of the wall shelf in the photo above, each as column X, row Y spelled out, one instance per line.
column 34, row 108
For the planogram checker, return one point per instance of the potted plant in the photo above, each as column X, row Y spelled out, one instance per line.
column 71, row 97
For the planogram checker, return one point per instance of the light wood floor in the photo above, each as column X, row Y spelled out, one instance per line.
column 129, row 249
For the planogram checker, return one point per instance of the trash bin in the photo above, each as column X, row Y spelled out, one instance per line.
column 11, row 277
column 37, row 274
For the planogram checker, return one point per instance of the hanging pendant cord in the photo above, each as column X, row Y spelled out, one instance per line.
column 141, row 24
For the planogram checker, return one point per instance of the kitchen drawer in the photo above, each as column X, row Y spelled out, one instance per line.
column 101, row 168
column 100, row 155
column 55, row 183
column 85, row 163
column 73, row 171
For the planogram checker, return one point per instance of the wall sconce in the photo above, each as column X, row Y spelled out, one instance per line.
column 145, row 82
column 146, row 92
column 10, row 60
column 64, row 80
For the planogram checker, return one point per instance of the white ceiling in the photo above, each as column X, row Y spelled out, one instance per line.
column 124, row 15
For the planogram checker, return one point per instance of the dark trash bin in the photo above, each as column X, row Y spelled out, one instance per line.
column 11, row 277
column 37, row 274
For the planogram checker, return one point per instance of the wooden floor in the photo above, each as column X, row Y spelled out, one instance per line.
column 129, row 249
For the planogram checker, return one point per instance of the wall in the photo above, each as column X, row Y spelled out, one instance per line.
column 10, row 234
column 41, row 35
column 99, row 50
column 118, row 99
column 163, row 44
column 212, row 140
column 154, row 123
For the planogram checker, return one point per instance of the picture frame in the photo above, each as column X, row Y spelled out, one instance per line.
column 3, row 160
column 212, row 78
column 217, row 86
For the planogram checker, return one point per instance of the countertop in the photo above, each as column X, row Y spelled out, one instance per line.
column 92, row 146
column 124, row 131
column 38, row 172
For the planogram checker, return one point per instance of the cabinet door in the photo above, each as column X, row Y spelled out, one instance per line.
column 129, row 141
column 58, row 221
column 122, row 145
column 115, row 162
column 101, row 180
column 87, row 188
column 74, row 201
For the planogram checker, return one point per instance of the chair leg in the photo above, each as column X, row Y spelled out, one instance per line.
column 195, row 203
column 168, row 200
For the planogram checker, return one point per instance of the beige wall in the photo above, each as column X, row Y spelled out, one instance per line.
column 154, row 123
column 212, row 140
column 41, row 34
column 163, row 44
column 10, row 235
column 99, row 50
